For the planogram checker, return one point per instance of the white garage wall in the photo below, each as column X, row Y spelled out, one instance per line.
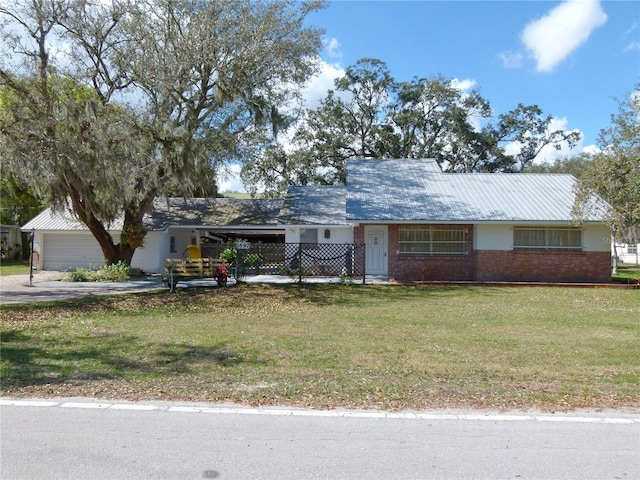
column 69, row 250
column 66, row 251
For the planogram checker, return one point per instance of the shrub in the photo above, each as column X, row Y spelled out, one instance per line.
column 253, row 260
column 229, row 255
column 111, row 273
column 116, row 272
column 81, row 274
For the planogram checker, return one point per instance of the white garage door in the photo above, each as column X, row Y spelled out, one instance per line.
column 68, row 251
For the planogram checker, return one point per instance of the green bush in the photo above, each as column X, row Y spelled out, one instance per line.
column 229, row 255
column 110, row 273
column 82, row 274
column 253, row 260
column 116, row 272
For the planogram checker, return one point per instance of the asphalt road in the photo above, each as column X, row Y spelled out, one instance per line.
column 81, row 439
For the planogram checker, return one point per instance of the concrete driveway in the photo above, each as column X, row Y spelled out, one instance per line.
column 50, row 285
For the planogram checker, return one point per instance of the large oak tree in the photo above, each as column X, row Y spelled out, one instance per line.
column 106, row 105
column 370, row 115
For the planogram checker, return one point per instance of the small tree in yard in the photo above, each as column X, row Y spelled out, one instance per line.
column 614, row 174
column 106, row 105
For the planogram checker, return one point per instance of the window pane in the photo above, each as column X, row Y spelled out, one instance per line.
column 427, row 240
column 547, row 237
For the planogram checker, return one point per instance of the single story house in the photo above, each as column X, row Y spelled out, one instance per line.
column 63, row 243
column 628, row 253
column 417, row 224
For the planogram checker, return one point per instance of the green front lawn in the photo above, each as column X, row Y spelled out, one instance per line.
column 14, row 267
column 627, row 273
column 327, row 346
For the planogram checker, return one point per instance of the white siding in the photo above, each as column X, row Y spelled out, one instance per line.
column 493, row 237
column 67, row 251
column 595, row 238
column 337, row 234
column 150, row 258
column 183, row 238
column 628, row 253
column 70, row 250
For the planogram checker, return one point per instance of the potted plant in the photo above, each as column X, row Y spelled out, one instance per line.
column 229, row 255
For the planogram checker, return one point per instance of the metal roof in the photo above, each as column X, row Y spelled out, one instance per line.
column 315, row 205
column 61, row 221
column 179, row 212
column 414, row 190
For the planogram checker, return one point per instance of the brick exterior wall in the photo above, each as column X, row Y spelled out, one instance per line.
column 495, row 265
column 430, row 267
column 408, row 268
column 543, row 266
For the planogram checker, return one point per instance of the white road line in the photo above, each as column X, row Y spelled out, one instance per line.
column 89, row 405
column 491, row 417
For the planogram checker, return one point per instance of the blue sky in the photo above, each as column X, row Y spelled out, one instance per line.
column 570, row 58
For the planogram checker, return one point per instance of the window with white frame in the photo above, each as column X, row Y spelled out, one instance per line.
column 547, row 238
column 432, row 240
column 632, row 248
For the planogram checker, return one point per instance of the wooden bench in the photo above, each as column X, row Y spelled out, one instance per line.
column 176, row 269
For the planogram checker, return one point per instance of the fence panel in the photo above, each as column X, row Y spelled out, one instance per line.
column 302, row 260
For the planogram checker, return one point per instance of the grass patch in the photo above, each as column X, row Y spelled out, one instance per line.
column 627, row 273
column 327, row 346
column 14, row 267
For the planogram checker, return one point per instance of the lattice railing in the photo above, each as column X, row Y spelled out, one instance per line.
column 301, row 260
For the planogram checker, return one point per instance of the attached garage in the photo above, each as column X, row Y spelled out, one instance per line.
column 67, row 251
column 63, row 243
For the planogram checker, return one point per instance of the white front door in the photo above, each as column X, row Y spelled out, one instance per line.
column 375, row 239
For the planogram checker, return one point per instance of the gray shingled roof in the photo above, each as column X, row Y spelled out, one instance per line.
column 314, row 205
column 214, row 211
column 416, row 190
column 180, row 211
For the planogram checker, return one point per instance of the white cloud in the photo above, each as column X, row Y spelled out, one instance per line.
column 463, row 85
column 591, row 149
column 633, row 26
column 511, row 59
column 552, row 38
column 633, row 46
column 332, row 47
column 316, row 88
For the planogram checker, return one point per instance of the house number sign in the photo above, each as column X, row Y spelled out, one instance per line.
column 243, row 245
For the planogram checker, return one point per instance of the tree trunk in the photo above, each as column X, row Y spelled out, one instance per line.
column 113, row 253
column 614, row 260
